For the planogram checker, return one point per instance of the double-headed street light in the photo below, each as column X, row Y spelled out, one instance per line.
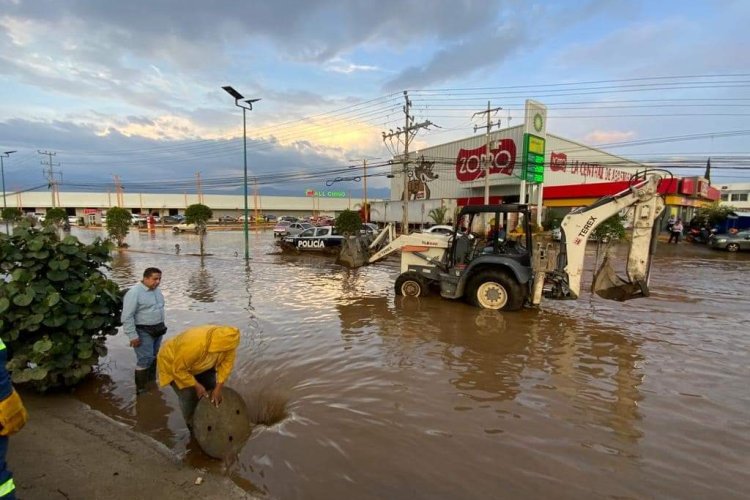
column 249, row 106
column 2, row 172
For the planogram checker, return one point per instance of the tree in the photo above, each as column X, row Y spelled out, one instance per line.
column 56, row 306
column 55, row 217
column 611, row 229
column 348, row 223
column 12, row 214
column 199, row 214
column 118, row 223
column 438, row 214
column 714, row 214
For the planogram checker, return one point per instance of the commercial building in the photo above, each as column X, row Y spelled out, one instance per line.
column 92, row 207
column 574, row 174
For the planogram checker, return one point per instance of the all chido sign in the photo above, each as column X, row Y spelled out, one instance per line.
column 325, row 194
column 469, row 162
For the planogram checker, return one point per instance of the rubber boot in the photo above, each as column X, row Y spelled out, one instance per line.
column 141, row 380
column 152, row 372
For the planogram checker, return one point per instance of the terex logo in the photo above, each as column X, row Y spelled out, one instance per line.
column 469, row 161
column 585, row 230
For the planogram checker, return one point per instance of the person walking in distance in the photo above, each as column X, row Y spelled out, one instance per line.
column 143, row 323
column 12, row 418
column 676, row 231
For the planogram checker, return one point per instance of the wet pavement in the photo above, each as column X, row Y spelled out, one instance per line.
column 368, row 395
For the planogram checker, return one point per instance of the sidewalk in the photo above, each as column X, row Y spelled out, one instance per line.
column 68, row 450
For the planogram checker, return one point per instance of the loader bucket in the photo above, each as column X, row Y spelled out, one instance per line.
column 608, row 285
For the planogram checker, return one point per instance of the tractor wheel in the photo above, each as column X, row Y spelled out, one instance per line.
column 733, row 247
column 411, row 284
column 495, row 290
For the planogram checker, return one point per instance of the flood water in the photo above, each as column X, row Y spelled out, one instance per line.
column 427, row 398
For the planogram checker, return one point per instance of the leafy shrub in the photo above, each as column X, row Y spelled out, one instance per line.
column 438, row 214
column 55, row 217
column 348, row 223
column 118, row 223
column 612, row 229
column 56, row 306
column 12, row 214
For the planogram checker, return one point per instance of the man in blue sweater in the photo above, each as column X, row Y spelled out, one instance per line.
column 143, row 323
column 12, row 418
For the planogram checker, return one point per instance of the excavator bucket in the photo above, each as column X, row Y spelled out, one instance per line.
column 608, row 285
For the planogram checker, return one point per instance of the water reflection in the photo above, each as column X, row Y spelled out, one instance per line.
column 123, row 269
column 201, row 285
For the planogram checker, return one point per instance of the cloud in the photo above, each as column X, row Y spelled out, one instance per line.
column 339, row 65
column 463, row 57
column 608, row 136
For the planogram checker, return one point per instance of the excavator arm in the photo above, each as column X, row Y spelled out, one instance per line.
column 643, row 198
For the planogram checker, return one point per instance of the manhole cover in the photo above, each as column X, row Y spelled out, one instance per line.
column 222, row 430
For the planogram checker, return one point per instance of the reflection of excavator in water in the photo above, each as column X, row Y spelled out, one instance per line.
column 497, row 273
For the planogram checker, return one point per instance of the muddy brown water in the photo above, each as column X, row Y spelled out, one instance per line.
column 385, row 397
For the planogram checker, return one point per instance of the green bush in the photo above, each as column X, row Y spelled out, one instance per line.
column 12, row 214
column 438, row 214
column 56, row 306
column 348, row 223
column 55, row 217
column 118, row 224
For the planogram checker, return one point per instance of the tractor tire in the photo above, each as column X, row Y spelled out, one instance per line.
column 733, row 247
column 411, row 284
column 492, row 289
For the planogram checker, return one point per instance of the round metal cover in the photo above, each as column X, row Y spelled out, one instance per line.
column 222, row 430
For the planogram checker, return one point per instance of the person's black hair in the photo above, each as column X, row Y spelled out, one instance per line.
column 151, row 271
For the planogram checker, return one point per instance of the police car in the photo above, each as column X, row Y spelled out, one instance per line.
column 320, row 239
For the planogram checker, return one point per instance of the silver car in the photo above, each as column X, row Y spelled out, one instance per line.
column 731, row 243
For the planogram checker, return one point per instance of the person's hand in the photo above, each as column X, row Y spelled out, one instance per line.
column 200, row 391
column 216, row 396
column 135, row 342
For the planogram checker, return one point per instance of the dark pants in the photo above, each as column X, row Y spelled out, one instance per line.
column 7, row 490
column 674, row 235
column 187, row 397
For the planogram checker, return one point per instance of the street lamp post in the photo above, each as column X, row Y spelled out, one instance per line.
column 2, row 172
column 237, row 98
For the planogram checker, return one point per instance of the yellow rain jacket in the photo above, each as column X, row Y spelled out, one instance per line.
column 196, row 350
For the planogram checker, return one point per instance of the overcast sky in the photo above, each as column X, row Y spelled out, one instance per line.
column 133, row 88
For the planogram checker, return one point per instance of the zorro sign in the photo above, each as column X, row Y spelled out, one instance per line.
column 469, row 163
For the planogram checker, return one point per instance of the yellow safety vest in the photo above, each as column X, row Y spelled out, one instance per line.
column 7, row 487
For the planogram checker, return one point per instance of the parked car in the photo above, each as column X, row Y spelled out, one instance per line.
column 296, row 228
column 318, row 239
column 731, row 243
column 280, row 229
column 184, row 227
column 73, row 220
column 288, row 218
column 227, row 219
column 137, row 219
column 174, row 219
column 439, row 229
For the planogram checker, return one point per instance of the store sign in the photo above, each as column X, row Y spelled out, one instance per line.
column 559, row 163
column 87, row 211
column 469, row 162
column 325, row 194
column 703, row 189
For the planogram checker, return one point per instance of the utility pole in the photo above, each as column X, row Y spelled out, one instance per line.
column 50, row 173
column 487, row 163
column 198, row 187
column 488, row 152
column 409, row 132
column 364, row 180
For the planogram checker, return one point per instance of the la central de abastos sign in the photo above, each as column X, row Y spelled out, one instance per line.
column 325, row 194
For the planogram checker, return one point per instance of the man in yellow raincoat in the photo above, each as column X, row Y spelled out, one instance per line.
column 196, row 363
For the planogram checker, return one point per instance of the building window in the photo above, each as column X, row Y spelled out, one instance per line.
column 724, row 196
column 739, row 196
